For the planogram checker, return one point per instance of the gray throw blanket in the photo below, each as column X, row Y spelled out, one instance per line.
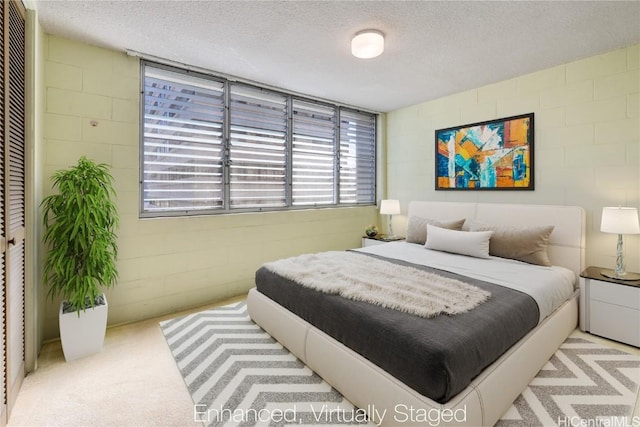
column 364, row 278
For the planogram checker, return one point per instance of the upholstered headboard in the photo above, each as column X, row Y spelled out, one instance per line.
column 566, row 244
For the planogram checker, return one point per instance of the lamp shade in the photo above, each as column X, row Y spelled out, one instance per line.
column 367, row 44
column 389, row 207
column 620, row 221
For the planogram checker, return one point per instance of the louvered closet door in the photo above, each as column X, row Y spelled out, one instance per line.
column 3, row 400
column 14, row 196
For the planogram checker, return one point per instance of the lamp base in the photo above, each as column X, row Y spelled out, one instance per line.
column 625, row 276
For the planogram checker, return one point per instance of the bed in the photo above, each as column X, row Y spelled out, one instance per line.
column 487, row 394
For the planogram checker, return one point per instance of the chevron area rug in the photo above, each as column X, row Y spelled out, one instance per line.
column 583, row 384
column 238, row 375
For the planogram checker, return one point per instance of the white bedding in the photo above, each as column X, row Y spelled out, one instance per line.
column 548, row 286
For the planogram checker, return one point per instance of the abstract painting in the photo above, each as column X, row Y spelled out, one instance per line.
column 492, row 155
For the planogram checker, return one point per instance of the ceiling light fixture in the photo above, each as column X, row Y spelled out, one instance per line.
column 367, row 44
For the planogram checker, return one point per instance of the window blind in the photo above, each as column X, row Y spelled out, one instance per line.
column 211, row 145
column 257, row 148
column 313, row 154
column 357, row 157
column 183, row 142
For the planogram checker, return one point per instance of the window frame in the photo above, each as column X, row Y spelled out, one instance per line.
column 291, row 98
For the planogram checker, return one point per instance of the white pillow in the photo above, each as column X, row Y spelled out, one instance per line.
column 472, row 243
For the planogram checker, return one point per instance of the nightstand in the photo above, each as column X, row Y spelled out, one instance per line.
column 378, row 240
column 610, row 308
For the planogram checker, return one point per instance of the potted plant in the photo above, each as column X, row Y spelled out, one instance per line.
column 371, row 230
column 79, row 225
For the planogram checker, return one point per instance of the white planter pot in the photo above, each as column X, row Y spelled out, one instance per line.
column 83, row 335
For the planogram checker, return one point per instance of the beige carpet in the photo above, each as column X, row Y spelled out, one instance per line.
column 132, row 382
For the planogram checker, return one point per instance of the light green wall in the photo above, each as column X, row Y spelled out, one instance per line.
column 587, row 154
column 586, row 142
column 165, row 264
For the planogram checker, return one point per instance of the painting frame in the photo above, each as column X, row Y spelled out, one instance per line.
column 492, row 155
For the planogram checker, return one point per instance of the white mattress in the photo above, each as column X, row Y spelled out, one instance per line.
column 548, row 286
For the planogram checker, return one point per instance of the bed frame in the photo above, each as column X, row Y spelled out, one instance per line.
column 490, row 394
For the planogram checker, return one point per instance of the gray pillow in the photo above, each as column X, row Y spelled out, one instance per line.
column 527, row 244
column 417, row 228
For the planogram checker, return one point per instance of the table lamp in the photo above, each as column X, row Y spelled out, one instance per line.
column 390, row 207
column 620, row 221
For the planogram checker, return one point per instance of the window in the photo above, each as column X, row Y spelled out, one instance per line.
column 182, row 165
column 214, row 146
column 257, row 148
column 313, row 154
column 357, row 157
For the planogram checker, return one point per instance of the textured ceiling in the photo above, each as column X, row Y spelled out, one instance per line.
column 432, row 48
